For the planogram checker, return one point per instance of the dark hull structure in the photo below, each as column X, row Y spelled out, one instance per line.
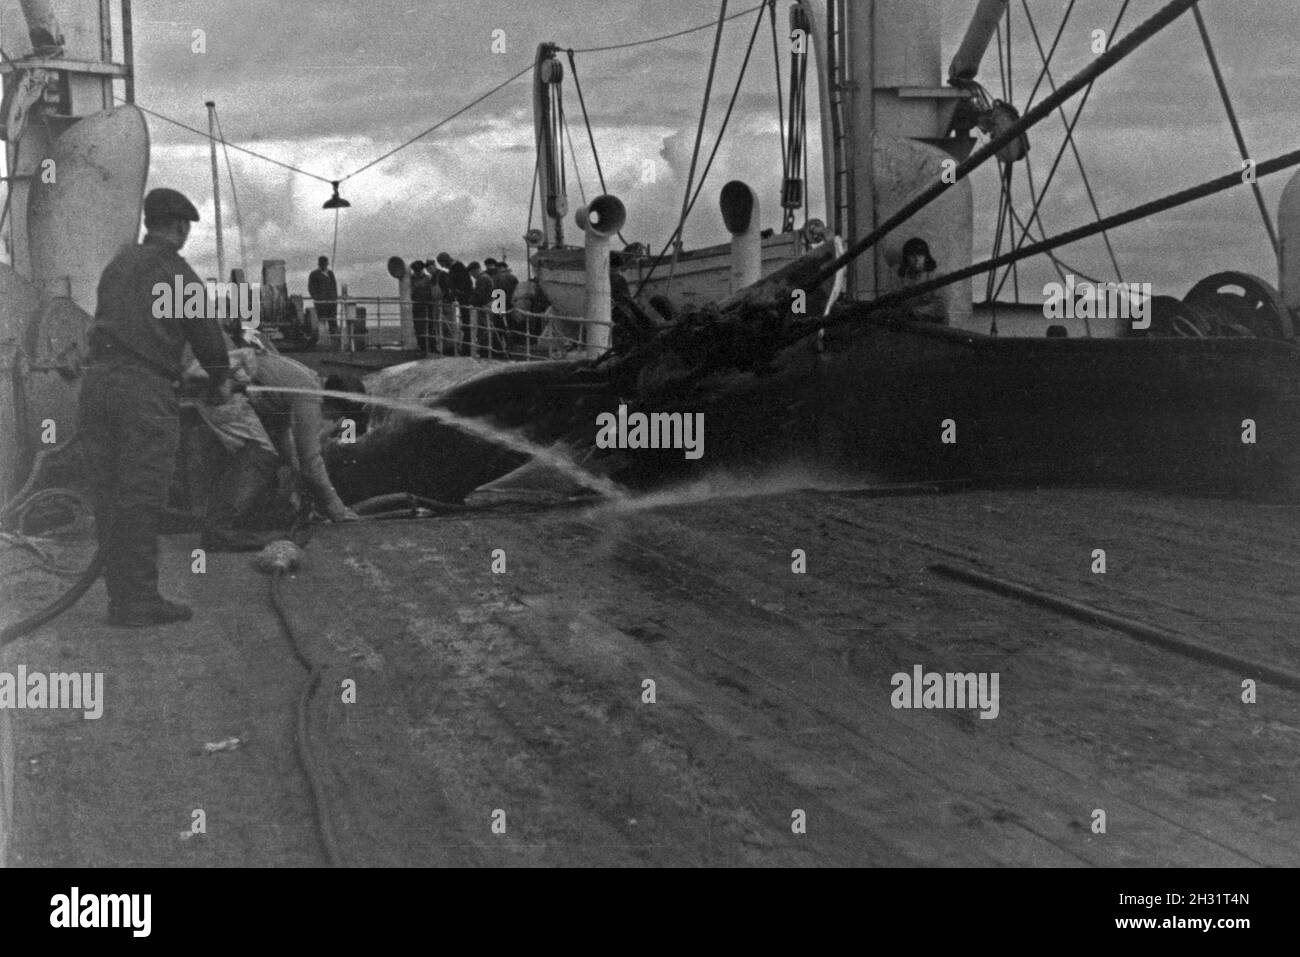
column 1166, row 413
column 897, row 401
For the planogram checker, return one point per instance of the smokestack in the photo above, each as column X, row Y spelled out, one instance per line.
column 740, row 213
column 599, row 220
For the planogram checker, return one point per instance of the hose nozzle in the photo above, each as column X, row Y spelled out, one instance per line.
column 278, row 558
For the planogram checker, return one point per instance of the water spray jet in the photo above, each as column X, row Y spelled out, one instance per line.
column 473, row 427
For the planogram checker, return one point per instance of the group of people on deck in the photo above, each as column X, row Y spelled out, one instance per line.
column 452, row 302
column 461, row 310
column 454, row 306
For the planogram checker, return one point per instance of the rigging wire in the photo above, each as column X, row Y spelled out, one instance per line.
column 1143, row 211
column 234, row 197
column 1236, row 127
column 1034, row 213
column 924, row 196
column 334, row 249
column 532, row 205
column 205, row 135
column 449, row 118
column 1033, row 195
column 1050, row 54
column 780, row 107
column 699, row 138
column 591, row 137
column 1011, row 229
column 1029, row 178
column 1062, row 267
column 709, row 163
column 1011, row 88
column 1074, row 148
column 573, row 155
column 1005, row 171
column 586, row 119
column 441, row 123
column 1002, row 73
column 670, row 36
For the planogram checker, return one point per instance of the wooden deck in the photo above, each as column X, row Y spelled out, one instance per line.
column 523, row 692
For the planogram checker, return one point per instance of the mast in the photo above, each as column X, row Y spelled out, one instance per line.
column 886, row 122
column 216, row 189
column 548, row 73
column 858, row 19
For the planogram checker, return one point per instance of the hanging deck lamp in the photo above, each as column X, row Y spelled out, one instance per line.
column 336, row 201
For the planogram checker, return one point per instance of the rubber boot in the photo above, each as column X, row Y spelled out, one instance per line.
column 115, row 569
column 133, row 592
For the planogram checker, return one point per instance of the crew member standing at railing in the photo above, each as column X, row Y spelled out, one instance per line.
column 324, row 293
column 506, row 281
column 421, row 305
column 460, row 289
column 492, row 323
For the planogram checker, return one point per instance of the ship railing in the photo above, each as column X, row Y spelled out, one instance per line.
column 370, row 322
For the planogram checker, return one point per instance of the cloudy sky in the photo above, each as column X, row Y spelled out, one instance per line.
column 328, row 86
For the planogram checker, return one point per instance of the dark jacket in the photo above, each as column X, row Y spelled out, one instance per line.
column 126, row 311
column 482, row 296
column 460, row 284
column 323, row 290
column 507, row 281
column 422, row 287
column 421, row 295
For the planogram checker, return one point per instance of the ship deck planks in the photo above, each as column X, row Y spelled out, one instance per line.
column 523, row 692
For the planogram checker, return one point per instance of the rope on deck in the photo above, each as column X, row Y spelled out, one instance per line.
column 1157, row 637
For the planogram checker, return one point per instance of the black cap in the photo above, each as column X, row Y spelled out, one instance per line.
column 169, row 204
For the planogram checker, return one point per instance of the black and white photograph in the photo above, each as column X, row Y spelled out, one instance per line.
column 651, row 434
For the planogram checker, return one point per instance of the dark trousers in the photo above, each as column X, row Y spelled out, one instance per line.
column 129, row 424
column 423, row 326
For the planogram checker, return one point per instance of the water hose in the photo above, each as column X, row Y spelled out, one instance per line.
column 277, row 560
column 394, row 502
column 18, row 629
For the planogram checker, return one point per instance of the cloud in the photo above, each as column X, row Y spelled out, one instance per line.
column 328, row 85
